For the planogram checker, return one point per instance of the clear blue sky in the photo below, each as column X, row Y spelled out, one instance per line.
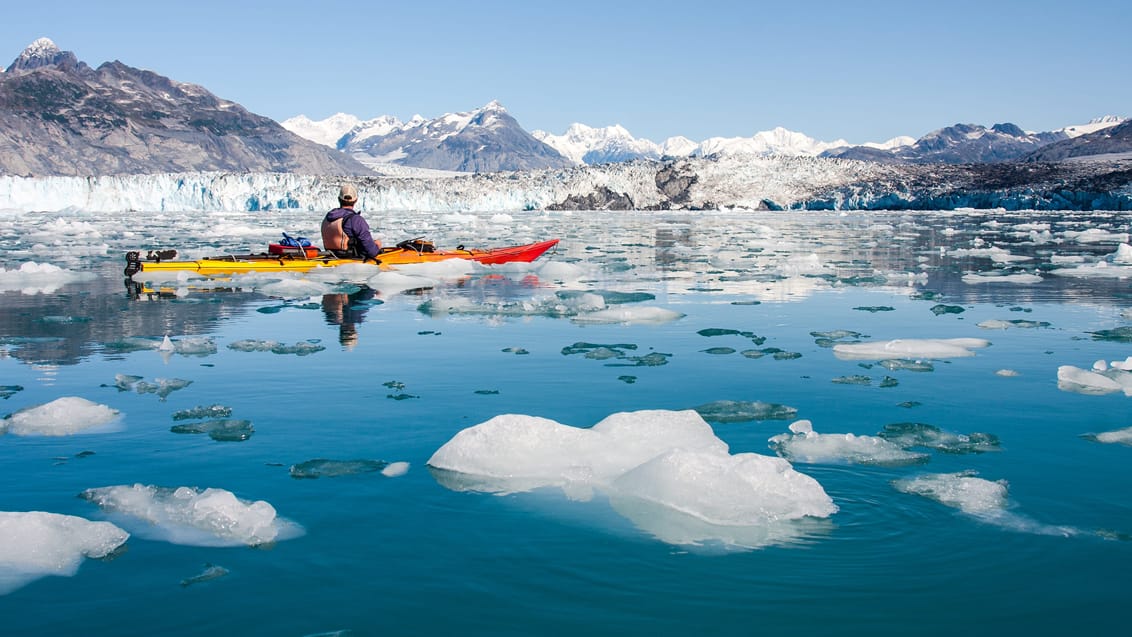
column 865, row 70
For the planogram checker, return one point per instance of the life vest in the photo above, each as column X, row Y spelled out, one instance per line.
column 334, row 235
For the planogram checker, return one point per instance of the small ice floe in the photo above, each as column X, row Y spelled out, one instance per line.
column 62, row 417
column 555, row 306
column 39, row 278
column 1007, row 373
column 561, row 272
column 36, row 544
column 1117, row 334
column 982, row 499
column 388, row 283
column 1096, row 235
column 326, row 468
column 160, row 386
column 210, row 572
column 914, row 348
column 224, row 430
column 994, row 253
column 998, row 324
column 295, row 289
column 193, row 517
column 1118, row 436
column 727, row 411
column 211, row 411
column 918, row 434
column 629, row 315
column 1021, row 278
column 803, row 444
column 664, row 470
column 1098, row 270
column 301, row 348
column 1123, row 254
column 1102, row 379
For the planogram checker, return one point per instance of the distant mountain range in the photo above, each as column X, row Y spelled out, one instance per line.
column 58, row 116
column 385, row 140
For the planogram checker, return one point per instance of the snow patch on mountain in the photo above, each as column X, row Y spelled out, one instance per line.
column 1094, row 125
column 325, row 131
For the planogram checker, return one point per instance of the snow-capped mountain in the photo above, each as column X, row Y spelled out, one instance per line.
column 326, row 132
column 487, row 139
column 583, row 144
column 972, row 143
column 58, row 116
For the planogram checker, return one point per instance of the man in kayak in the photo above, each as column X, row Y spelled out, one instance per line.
column 345, row 232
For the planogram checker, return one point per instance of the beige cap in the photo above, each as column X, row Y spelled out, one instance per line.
column 348, row 194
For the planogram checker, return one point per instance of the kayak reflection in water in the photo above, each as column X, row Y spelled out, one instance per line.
column 346, row 311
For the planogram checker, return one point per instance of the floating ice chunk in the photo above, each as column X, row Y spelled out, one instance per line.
column 804, row 444
column 996, row 254
column 1082, row 381
column 727, row 411
column 166, row 345
column 1124, row 365
column 1058, row 259
column 61, row 417
column 395, row 469
column 560, row 271
column 802, row 264
column 917, row 434
column 934, row 348
column 302, row 348
column 37, row 544
column 501, row 219
column 665, row 470
column 1123, row 254
column 186, row 515
column 326, row 468
column 1119, row 436
column 1007, row 373
column 39, row 278
column 296, row 288
column 1096, row 235
column 209, row 573
column 1021, row 278
column 393, row 282
column 630, row 315
column 1099, row 270
column 220, row 430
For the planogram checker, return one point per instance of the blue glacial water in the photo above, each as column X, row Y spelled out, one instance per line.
column 708, row 307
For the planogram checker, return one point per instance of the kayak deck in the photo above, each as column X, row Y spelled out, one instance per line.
column 164, row 261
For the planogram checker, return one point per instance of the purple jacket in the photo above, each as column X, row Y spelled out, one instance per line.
column 357, row 229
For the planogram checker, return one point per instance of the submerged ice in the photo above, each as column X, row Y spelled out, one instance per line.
column 985, row 500
column 665, row 470
column 803, row 444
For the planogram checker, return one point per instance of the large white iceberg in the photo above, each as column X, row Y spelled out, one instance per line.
column 36, row 543
column 665, row 470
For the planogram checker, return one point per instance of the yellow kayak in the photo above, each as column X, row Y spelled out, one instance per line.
column 302, row 259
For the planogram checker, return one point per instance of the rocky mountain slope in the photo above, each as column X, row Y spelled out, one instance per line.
column 58, row 116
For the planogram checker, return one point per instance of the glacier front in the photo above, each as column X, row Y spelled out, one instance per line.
column 732, row 182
